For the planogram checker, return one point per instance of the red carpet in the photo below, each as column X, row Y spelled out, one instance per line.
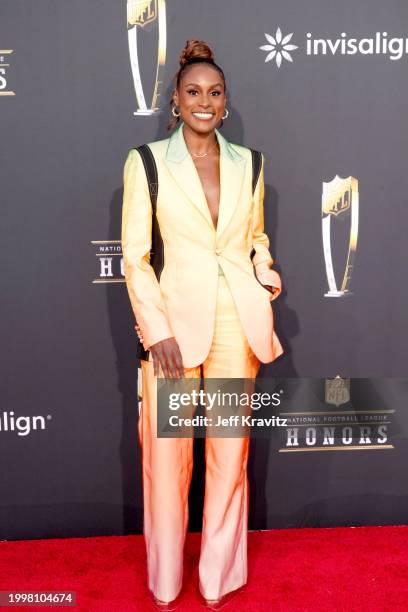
column 342, row 569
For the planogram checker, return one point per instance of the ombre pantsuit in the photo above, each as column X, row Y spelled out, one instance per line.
column 167, row 468
column 210, row 297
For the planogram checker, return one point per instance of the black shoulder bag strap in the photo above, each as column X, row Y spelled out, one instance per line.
column 256, row 170
column 157, row 251
column 256, row 167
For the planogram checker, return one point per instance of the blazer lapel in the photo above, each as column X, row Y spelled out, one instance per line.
column 183, row 170
column 232, row 171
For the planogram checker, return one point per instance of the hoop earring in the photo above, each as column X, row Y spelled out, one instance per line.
column 173, row 108
column 227, row 113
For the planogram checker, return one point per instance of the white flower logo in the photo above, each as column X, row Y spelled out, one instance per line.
column 278, row 47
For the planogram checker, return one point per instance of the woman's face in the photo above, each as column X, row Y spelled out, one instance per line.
column 201, row 98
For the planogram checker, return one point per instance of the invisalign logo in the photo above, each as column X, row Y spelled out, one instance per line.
column 278, row 47
column 378, row 44
column 22, row 425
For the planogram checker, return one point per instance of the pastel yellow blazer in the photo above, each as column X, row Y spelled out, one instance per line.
column 182, row 302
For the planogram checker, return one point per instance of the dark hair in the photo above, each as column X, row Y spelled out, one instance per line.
column 195, row 52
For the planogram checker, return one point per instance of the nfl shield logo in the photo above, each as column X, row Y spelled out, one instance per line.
column 337, row 194
column 337, row 390
column 141, row 12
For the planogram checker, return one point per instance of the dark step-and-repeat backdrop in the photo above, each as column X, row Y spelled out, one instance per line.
column 323, row 93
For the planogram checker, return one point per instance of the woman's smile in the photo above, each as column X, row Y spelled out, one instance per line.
column 204, row 116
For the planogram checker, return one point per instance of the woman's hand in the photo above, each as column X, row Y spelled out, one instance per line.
column 274, row 290
column 269, row 279
column 166, row 354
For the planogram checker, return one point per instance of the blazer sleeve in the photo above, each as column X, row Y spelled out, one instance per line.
column 142, row 285
column 262, row 258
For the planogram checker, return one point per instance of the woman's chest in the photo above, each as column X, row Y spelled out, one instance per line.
column 208, row 172
column 203, row 198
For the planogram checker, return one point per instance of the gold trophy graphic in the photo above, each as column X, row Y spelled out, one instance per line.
column 139, row 14
column 339, row 201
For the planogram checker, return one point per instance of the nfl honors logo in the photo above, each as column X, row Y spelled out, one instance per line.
column 142, row 13
column 340, row 200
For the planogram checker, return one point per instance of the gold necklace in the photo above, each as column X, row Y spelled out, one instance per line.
column 204, row 154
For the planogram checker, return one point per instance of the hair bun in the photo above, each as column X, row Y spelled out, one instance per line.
column 195, row 48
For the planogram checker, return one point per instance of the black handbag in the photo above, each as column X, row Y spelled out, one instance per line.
column 157, row 250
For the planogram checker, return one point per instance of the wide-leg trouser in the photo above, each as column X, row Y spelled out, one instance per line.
column 167, row 468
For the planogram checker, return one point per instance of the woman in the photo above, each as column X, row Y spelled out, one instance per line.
column 208, row 315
